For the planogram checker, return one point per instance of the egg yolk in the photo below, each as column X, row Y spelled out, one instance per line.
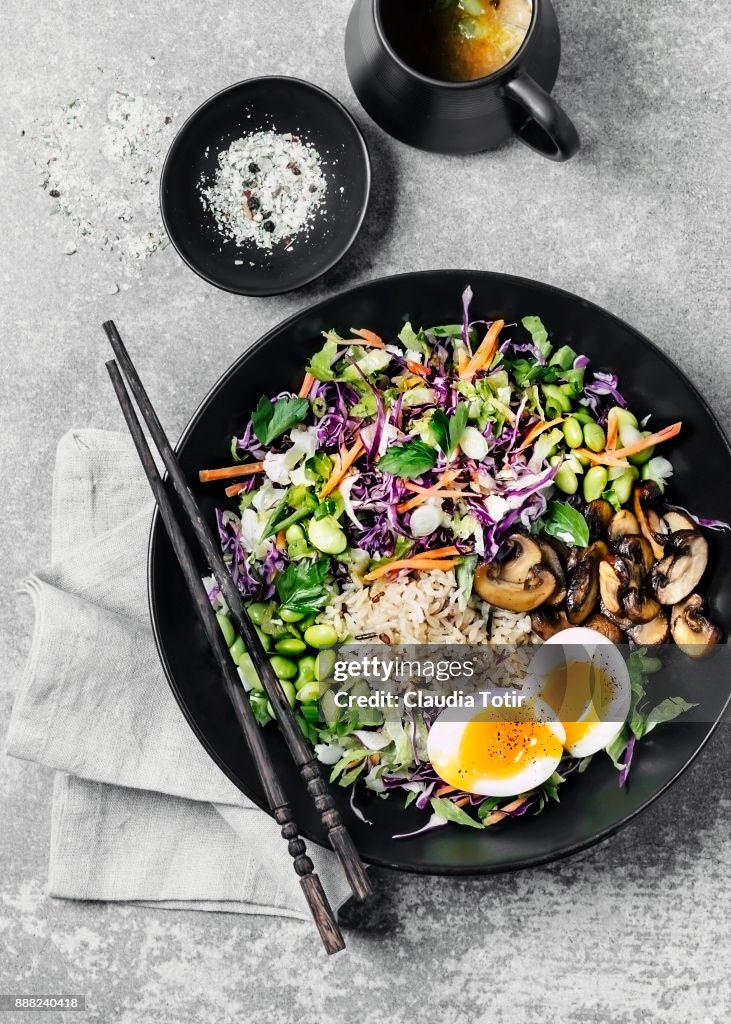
column 497, row 750
column 580, row 693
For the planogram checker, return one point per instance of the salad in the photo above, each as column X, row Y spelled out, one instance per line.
column 465, row 483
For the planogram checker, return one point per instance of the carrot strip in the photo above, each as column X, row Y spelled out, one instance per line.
column 612, row 430
column 420, row 498
column 233, row 490
column 485, row 353
column 281, row 541
column 418, row 489
column 444, row 552
column 496, row 816
column 422, row 493
column 417, row 368
column 647, row 442
column 618, row 456
column 538, row 429
column 462, row 361
column 406, row 506
column 306, row 386
column 230, row 472
column 658, row 549
column 602, row 458
column 443, row 790
column 368, row 338
column 346, row 460
column 423, row 565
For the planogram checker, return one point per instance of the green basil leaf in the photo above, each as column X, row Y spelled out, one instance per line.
column 272, row 419
column 448, row 430
column 617, row 747
column 565, row 524
column 666, row 711
column 457, row 424
column 408, row 460
column 444, row 808
column 439, row 425
column 488, row 806
column 300, row 586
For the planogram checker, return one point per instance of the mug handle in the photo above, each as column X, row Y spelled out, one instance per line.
column 547, row 128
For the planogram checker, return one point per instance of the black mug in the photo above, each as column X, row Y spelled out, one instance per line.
column 466, row 116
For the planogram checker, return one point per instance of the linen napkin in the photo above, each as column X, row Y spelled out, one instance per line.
column 140, row 811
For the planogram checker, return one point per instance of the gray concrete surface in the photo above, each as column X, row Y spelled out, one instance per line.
column 632, row 930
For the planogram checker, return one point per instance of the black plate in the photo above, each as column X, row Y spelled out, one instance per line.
column 263, row 104
column 592, row 805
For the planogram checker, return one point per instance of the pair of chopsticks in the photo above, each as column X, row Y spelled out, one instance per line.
column 301, row 753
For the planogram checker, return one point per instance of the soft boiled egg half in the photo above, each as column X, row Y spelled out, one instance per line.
column 578, row 697
column 584, row 680
column 479, row 752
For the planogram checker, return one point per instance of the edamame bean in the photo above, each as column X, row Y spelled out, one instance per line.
column 310, row 691
column 294, row 534
column 644, row 456
column 573, row 433
column 229, row 633
column 324, row 664
column 283, row 667
column 237, row 649
column 257, row 611
column 624, row 417
column 325, row 534
column 287, row 615
column 595, row 481
column 622, row 486
column 289, row 693
column 266, row 640
column 566, row 480
column 290, row 646
column 305, row 671
column 248, row 673
column 321, row 636
column 594, row 437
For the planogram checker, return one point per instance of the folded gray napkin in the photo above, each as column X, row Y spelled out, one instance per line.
column 140, row 812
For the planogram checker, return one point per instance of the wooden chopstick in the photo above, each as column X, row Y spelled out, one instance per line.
column 302, row 754
column 311, row 885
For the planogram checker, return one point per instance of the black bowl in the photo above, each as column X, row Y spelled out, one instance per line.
column 592, row 805
column 266, row 104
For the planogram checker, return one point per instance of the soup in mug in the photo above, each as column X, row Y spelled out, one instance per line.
column 457, row 40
